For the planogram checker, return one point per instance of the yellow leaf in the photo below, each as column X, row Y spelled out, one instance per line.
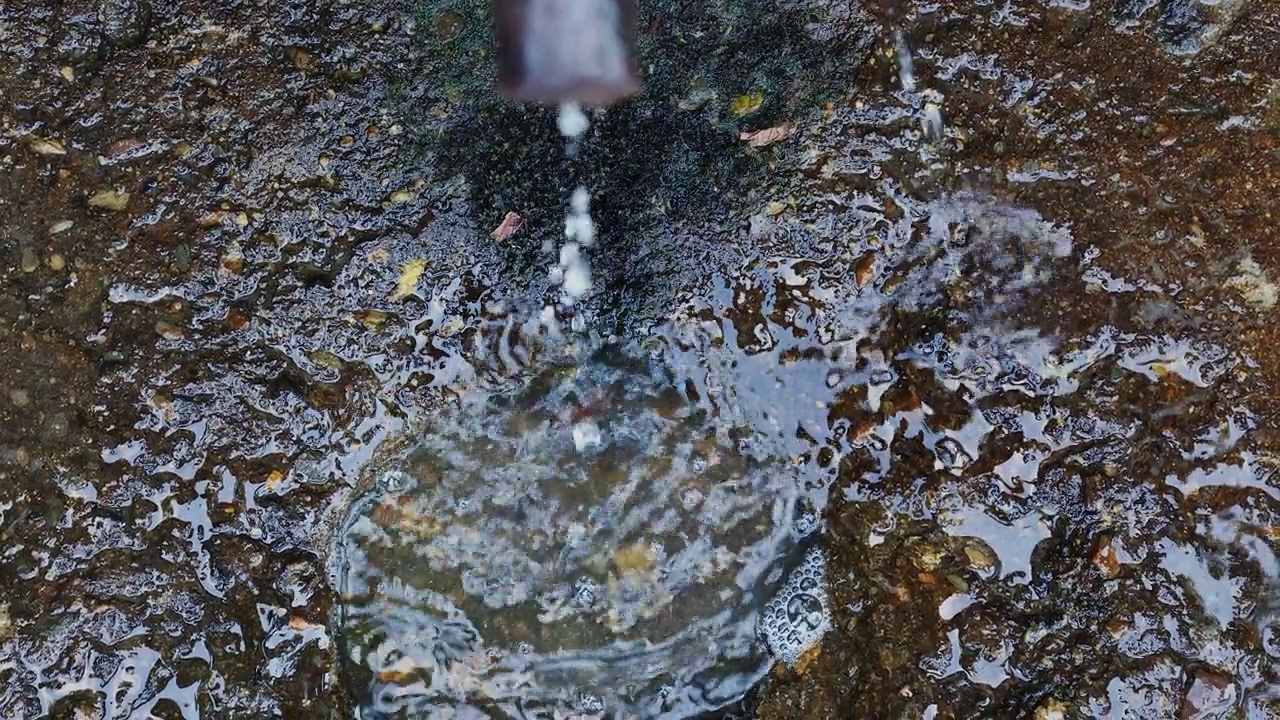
column 113, row 200
column 408, row 283
column 47, row 147
column 747, row 104
column 806, row 659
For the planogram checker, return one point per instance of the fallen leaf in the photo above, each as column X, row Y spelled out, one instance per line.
column 123, row 145
column 1104, row 556
column 408, row 283
column 395, row 677
column 747, row 104
column 109, row 200
column 767, row 136
column 979, row 556
column 274, row 478
column 508, row 227
column 168, row 330
column 232, row 260
column 47, row 147
column 865, row 268
column 806, row 659
column 212, row 219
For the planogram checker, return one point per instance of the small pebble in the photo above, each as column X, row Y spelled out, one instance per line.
column 56, row 262
column 29, row 261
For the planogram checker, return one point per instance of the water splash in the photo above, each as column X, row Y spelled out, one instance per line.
column 599, row 532
column 928, row 102
column 906, row 71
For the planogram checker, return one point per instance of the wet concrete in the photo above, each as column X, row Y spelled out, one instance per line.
column 1050, row 478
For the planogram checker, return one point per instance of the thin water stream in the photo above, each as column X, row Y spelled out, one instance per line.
column 599, row 534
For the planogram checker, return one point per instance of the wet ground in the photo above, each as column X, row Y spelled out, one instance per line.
column 1008, row 315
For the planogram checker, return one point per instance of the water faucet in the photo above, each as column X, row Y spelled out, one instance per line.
column 566, row 51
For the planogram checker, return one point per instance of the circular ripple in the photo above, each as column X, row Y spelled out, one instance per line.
column 596, row 538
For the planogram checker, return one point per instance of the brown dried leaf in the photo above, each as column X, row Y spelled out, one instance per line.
column 865, row 268
column 508, row 227
column 123, row 145
column 212, row 219
column 767, row 136
column 1104, row 556
column 168, row 330
column 806, row 659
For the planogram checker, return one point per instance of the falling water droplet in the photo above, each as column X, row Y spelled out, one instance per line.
column 572, row 121
column 905, row 72
column 573, row 273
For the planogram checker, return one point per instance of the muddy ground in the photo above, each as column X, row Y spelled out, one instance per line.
column 206, row 209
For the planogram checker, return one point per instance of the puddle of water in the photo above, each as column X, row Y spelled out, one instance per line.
column 603, row 537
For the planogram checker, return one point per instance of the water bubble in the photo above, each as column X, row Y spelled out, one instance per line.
column 798, row 616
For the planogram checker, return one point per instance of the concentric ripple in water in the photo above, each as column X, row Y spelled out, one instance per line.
column 600, row 540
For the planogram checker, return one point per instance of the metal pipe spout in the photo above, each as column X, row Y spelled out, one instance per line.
column 562, row 51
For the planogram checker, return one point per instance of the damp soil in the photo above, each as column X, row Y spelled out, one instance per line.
column 1024, row 295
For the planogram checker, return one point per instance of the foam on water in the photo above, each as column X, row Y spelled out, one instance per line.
column 799, row 615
